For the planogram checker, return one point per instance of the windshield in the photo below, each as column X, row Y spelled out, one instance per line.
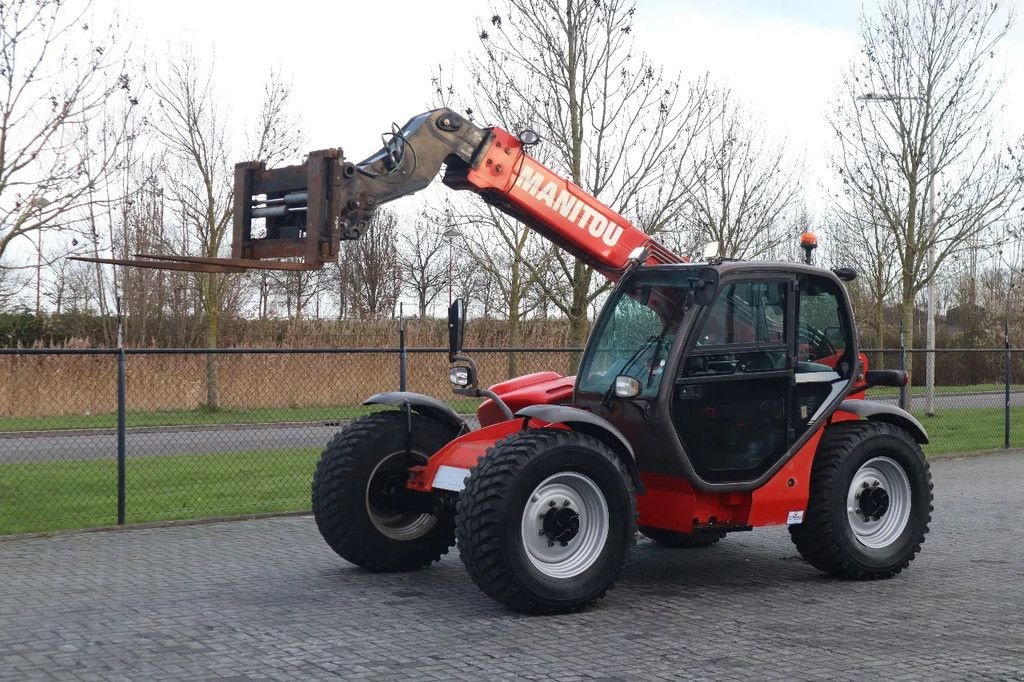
column 635, row 335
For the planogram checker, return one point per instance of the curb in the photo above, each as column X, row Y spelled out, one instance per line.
column 171, row 428
column 179, row 428
column 149, row 525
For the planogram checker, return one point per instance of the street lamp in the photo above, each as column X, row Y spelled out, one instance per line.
column 451, row 234
column 39, row 203
column 929, row 362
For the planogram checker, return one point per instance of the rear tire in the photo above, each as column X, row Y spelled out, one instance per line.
column 349, row 499
column 677, row 540
column 546, row 521
column 870, row 502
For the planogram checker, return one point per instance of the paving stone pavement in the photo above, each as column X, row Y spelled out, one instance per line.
column 268, row 600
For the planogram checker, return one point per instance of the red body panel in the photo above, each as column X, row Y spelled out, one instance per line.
column 787, row 490
column 540, row 388
column 670, row 502
column 463, row 452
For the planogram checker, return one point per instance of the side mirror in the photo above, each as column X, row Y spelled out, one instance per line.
column 462, row 376
column 895, row 378
column 845, row 274
column 456, row 327
column 626, row 386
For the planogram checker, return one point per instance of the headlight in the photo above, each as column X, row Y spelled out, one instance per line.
column 459, row 376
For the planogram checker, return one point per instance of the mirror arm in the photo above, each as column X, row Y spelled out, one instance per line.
column 505, row 410
column 474, row 391
column 459, row 357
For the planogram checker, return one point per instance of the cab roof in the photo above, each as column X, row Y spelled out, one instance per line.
column 732, row 266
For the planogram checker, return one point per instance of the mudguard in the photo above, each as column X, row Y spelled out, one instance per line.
column 423, row 404
column 448, row 468
column 870, row 409
column 590, row 424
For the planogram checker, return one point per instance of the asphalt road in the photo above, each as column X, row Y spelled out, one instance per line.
column 268, row 600
column 163, row 441
column 67, row 445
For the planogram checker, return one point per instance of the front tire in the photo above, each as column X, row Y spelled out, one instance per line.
column 870, row 502
column 546, row 521
column 351, row 501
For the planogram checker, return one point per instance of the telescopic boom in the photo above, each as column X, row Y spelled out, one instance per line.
column 303, row 212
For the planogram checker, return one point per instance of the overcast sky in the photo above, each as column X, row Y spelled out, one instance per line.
column 358, row 66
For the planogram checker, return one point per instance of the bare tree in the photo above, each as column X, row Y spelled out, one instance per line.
column 425, row 261
column 928, row 64
column 262, row 281
column 195, row 131
column 611, row 121
column 11, row 284
column 501, row 250
column 340, row 275
column 57, row 287
column 374, row 275
column 864, row 245
column 298, row 289
column 745, row 188
column 471, row 284
column 58, row 73
column 137, row 223
column 71, row 287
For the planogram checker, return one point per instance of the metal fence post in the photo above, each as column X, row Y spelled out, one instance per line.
column 122, row 389
column 403, row 356
column 903, row 368
column 1006, row 396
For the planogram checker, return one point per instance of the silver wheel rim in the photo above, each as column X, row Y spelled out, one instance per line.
column 579, row 495
column 878, row 502
column 401, row 526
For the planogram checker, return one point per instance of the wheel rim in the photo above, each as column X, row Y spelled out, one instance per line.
column 397, row 525
column 878, row 502
column 565, row 525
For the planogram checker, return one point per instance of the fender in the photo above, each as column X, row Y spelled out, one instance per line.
column 423, row 404
column 870, row 409
column 590, row 424
column 448, row 468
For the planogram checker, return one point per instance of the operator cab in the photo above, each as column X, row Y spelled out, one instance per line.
column 720, row 372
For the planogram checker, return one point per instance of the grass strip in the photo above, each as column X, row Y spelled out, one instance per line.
column 47, row 496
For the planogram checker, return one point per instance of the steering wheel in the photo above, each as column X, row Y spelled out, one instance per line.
column 817, row 342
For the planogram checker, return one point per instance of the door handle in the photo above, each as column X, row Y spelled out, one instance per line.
column 690, row 392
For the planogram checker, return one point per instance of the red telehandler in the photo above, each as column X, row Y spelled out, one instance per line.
column 712, row 397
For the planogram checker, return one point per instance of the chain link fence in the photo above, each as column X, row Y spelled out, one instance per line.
column 235, row 432
column 205, row 433
column 976, row 400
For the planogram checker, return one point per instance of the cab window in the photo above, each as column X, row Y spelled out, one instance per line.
column 822, row 332
column 744, row 332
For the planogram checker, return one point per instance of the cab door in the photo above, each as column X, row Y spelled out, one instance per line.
column 732, row 405
column 765, row 362
column 825, row 357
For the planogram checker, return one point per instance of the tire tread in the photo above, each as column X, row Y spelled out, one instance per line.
column 331, row 493
column 816, row 538
column 479, row 516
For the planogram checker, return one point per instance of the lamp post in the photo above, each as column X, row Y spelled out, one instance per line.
column 451, row 234
column 929, row 361
column 39, row 203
